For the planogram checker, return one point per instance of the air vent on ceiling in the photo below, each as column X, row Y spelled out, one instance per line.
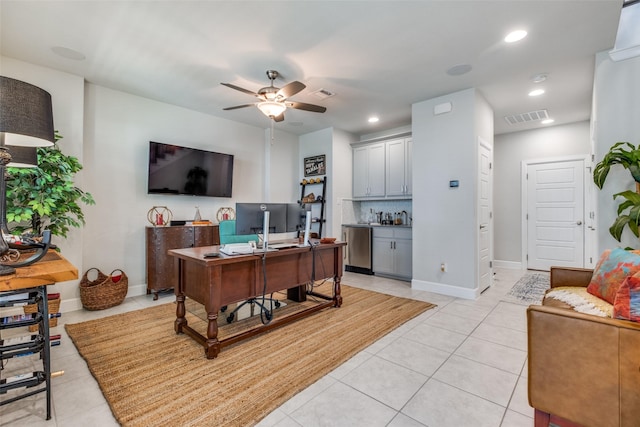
column 532, row 116
column 323, row 93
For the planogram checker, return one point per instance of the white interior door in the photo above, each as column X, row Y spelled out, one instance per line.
column 485, row 227
column 555, row 214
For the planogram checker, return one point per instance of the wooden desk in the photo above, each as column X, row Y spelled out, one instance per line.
column 217, row 282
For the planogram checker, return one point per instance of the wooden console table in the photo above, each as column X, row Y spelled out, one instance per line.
column 217, row 282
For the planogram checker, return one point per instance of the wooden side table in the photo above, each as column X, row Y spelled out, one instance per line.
column 29, row 285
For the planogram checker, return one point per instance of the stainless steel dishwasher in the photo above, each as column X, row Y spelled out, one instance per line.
column 358, row 250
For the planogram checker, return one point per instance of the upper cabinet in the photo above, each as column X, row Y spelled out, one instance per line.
column 368, row 170
column 398, row 171
column 382, row 170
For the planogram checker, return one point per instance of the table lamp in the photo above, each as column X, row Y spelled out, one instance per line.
column 26, row 122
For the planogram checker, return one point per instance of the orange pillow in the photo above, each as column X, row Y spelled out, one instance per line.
column 612, row 269
column 627, row 303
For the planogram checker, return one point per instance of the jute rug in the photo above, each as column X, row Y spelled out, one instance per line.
column 529, row 289
column 151, row 377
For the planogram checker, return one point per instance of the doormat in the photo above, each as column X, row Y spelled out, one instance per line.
column 529, row 289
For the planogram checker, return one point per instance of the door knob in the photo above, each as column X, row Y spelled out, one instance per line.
column 579, row 222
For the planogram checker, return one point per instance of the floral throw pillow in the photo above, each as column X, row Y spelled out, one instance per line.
column 612, row 269
column 627, row 302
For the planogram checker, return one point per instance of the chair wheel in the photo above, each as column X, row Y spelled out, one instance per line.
column 230, row 318
column 277, row 303
column 223, row 309
column 268, row 315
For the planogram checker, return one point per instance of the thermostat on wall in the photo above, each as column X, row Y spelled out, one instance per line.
column 454, row 184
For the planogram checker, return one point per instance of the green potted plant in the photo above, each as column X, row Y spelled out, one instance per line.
column 627, row 155
column 46, row 197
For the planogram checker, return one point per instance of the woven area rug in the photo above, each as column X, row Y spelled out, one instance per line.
column 150, row 376
column 529, row 289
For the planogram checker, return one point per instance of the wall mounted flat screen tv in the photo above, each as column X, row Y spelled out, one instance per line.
column 174, row 169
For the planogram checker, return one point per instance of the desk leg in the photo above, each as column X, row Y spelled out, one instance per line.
column 181, row 321
column 336, row 291
column 212, row 345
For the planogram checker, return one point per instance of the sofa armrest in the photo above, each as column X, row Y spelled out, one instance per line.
column 574, row 365
column 568, row 276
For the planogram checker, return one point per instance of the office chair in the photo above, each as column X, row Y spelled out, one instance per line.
column 228, row 235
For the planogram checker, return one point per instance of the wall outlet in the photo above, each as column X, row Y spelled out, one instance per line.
column 443, row 267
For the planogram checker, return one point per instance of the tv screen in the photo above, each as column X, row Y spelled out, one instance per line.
column 181, row 170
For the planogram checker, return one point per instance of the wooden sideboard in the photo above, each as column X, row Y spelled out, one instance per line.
column 161, row 272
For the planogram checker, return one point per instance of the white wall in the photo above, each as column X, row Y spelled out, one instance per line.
column 341, row 174
column 445, row 148
column 509, row 152
column 615, row 117
column 281, row 181
column 109, row 132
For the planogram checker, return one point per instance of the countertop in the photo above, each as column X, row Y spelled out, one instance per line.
column 371, row 225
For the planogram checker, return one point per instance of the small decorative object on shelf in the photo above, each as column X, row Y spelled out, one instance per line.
column 225, row 214
column 198, row 217
column 159, row 216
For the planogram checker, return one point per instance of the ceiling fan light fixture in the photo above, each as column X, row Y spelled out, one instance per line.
column 271, row 108
column 515, row 36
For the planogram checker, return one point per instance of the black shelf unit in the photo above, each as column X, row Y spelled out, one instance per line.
column 322, row 201
column 32, row 343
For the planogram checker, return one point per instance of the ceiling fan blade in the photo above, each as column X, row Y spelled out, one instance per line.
column 279, row 118
column 247, row 91
column 290, row 90
column 306, row 107
column 239, row 106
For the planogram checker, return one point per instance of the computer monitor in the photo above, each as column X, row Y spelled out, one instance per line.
column 250, row 217
column 296, row 216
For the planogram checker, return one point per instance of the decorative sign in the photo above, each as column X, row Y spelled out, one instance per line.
column 315, row 165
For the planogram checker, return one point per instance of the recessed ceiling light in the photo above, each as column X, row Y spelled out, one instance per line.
column 547, row 121
column 373, row 119
column 459, row 70
column 539, row 78
column 536, row 92
column 515, row 36
column 65, row 52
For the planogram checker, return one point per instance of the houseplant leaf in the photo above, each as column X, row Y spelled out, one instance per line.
column 46, row 196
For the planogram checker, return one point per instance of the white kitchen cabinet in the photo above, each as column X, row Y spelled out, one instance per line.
column 398, row 167
column 392, row 252
column 368, row 170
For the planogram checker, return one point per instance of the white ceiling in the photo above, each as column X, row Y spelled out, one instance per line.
column 379, row 57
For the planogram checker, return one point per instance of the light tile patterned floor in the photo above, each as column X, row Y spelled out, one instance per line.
column 460, row 364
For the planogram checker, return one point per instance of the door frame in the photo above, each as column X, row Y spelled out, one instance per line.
column 483, row 143
column 589, row 240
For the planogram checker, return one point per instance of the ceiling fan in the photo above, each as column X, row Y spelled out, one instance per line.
column 273, row 101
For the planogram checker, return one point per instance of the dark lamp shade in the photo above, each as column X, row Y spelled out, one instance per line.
column 26, row 114
column 23, row 157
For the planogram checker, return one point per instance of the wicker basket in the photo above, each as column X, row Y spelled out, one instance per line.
column 104, row 291
column 54, row 307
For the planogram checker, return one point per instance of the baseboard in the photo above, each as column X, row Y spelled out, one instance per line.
column 511, row 265
column 441, row 288
column 72, row 304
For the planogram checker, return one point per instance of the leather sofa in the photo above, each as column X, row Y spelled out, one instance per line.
column 584, row 370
